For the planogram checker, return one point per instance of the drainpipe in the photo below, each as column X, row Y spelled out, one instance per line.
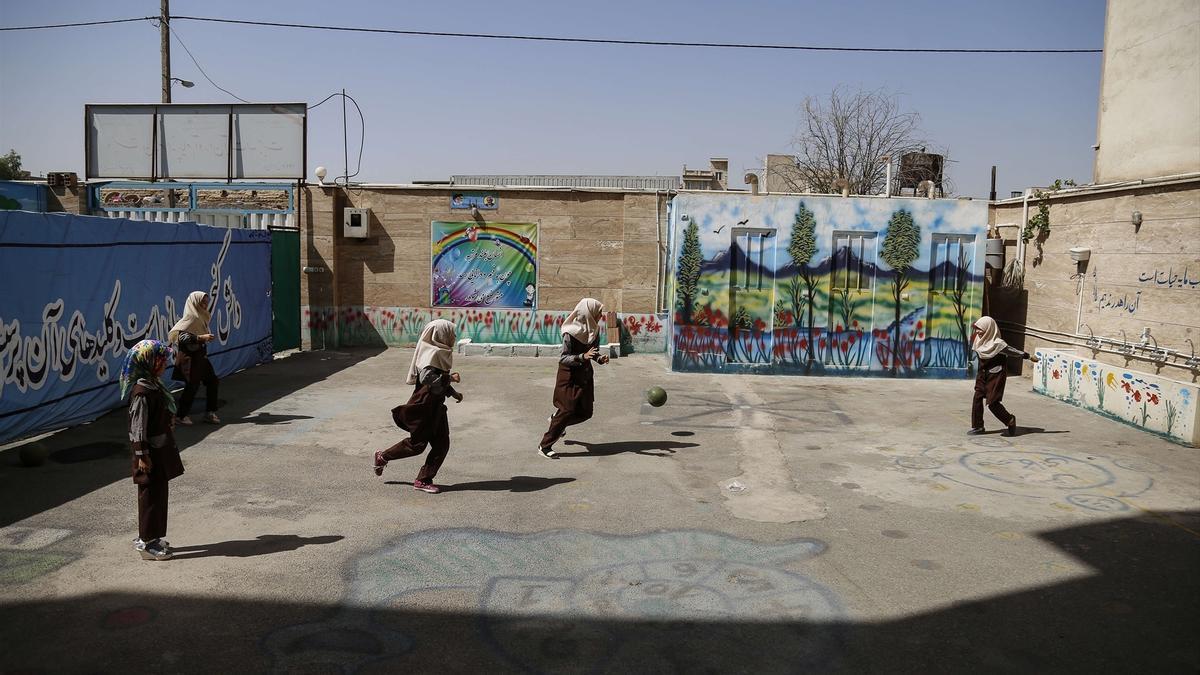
column 659, row 300
column 887, row 187
column 1021, row 239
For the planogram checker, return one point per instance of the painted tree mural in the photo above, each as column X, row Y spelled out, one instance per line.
column 691, row 257
column 802, row 248
column 901, row 247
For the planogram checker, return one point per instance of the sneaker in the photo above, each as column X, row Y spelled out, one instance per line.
column 153, row 551
column 548, row 453
column 211, row 418
column 139, row 544
column 426, row 487
column 184, row 421
column 975, row 431
column 380, row 462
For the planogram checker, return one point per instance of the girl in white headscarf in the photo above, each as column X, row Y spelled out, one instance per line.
column 574, row 387
column 424, row 416
column 989, row 383
column 190, row 335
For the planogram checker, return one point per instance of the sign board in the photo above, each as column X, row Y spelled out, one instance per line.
column 480, row 200
column 491, row 265
column 189, row 142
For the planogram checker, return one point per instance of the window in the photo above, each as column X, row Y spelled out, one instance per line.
column 853, row 255
column 949, row 262
column 749, row 247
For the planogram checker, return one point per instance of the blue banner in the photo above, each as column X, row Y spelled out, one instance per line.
column 76, row 292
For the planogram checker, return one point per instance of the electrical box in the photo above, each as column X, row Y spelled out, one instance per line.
column 356, row 223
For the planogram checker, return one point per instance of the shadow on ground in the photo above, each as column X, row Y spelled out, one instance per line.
column 93, row 455
column 1137, row 611
column 648, row 448
column 263, row 544
column 515, row 484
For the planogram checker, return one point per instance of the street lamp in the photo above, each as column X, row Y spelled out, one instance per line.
column 188, row 84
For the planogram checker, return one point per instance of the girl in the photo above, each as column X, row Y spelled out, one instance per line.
column 989, row 383
column 574, row 388
column 193, row 367
column 424, row 416
column 151, row 433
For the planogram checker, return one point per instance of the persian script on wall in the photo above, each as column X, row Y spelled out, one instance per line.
column 492, row 265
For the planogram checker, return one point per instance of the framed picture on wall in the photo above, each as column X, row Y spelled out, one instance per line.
column 485, row 265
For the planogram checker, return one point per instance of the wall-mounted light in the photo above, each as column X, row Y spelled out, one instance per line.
column 1136, row 219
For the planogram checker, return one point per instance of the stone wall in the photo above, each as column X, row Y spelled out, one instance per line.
column 602, row 244
column 1137, row 277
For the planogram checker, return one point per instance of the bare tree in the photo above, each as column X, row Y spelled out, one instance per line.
column 845, row 137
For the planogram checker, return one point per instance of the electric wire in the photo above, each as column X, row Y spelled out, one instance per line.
column 653, row 43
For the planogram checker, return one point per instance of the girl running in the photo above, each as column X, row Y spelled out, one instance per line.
column 574, row 387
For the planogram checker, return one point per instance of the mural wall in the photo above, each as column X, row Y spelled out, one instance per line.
column 400, row 326
column 825, row 285
column 1153, row 403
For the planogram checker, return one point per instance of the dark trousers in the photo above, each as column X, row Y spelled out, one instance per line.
column 211, row 384
column 152, row 509
column 439, row 446
column 989, row 386
column 559, row 422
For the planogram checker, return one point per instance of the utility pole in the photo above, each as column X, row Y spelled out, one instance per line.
column 164, row 47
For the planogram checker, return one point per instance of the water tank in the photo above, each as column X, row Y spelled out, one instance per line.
column 994, row 254
column 916, row 167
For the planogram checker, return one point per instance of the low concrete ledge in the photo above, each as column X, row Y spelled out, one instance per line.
column 466, row 347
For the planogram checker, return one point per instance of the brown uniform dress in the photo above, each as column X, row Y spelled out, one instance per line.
column 150, row 433
column 195, row 369
column 989, row 385
column 424, row 418
column 574, row 389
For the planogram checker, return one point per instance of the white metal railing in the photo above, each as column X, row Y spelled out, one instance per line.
column 233, row 219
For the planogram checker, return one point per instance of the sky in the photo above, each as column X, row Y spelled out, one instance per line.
column 437, row 106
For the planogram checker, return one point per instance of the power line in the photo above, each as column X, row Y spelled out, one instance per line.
column 654, row 43
column 199, row 67
column 81, row 23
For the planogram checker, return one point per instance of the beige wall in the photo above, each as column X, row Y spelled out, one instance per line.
column 591, row 243
column 1122, row 259
column 1149, row 119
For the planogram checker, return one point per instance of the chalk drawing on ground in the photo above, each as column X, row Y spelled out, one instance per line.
column 1089, row 481
column 542, row 602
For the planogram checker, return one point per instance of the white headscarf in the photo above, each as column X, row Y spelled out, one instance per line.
column 195, row 317
column 583, row 323
column 435, row 348
column 989, row 343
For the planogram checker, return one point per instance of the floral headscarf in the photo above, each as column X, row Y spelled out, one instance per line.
column 143, row 359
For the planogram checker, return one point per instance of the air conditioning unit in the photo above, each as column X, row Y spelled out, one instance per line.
column 1080, row 254
column 356, row 223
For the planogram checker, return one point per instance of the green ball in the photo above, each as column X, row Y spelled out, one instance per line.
column 656, row 396
column 33, row 454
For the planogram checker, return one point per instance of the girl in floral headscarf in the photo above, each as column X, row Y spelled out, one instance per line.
column 151, row 433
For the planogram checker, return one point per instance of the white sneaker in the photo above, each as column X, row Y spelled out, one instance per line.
column 184, row 421
column 152, row 551
column 548, row 453
column 211, row 418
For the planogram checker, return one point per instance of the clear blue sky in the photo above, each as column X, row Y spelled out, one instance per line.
column 437, row 106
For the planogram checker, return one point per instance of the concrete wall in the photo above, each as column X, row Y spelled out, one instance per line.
column 1147, row 277
column 602, row 244
column 1149, row 120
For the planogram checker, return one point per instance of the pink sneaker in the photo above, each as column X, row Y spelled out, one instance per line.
column 380, row 462
column 426, row 487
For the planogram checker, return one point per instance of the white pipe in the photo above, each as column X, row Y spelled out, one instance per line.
column 1079, row 311
column 1020, row 236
